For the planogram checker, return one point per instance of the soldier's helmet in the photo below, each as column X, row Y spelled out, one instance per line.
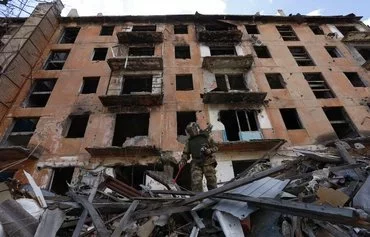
column 192, row 129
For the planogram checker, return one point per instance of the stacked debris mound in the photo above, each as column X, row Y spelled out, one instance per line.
column 314, row 192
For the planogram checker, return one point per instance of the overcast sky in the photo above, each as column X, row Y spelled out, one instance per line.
column 266, row 7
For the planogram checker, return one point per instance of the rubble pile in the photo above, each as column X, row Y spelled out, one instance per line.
column 316, row 193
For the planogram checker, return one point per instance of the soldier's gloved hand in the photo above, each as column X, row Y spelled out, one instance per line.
column 182, row 162
column 207, row 151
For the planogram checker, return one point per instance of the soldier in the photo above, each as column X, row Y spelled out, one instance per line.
column 201, row 147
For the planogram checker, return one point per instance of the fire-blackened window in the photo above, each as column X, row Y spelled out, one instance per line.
column 180, row 29
column 107, row 30
column 22, row 131
column 69, row 35
column 230, row 82
column 137, row 83
column 252, row 29
column 262, row 51
column 135, row 175
column 100, row 54
column 222, row 50
column 340, row 122
column 355, row 79
column 56, row 60
column 141, row 51
column 275, row 80
column 236, row 121
column 90, row 84
column 144, row 28
column 77, row 125
column 183, row 119
column 316, row 29
column 219, row 27
column 40, row 92
column 318, row 85
column 182, row 52
column 291, row 119
column 364, row 52
column 129, row 126
column 61, row 178
column 184, row 82
column 333, row 51
column 287, row 33
column 346, row 29
column 301, row 56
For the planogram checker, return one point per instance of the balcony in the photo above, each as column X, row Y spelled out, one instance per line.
column 219, row 33
column 238, row 97
column 241, row 63
column 140, row 37
column 357, row 37
column 134, row 63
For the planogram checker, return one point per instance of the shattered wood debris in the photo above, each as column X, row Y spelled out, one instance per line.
column 314, row 193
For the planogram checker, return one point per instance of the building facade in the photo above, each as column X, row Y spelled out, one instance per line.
column 118, row 91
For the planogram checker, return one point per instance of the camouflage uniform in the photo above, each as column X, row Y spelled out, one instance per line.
column 201, row 148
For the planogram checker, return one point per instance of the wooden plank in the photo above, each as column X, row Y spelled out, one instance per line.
column 197, row 220
column 344, row 153
column 36, row 190
column 125, row 219
column 165, row 210
column 50, row 223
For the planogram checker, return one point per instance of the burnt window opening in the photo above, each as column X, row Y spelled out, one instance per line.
column 232, row 81
column 141, row 51
column 184, row 82
column 252, row 29
column 137, row 83
column 222, row 50
column 287, row 33
column 340, row 122
column 364, row 52
column 134, row 175
column 106, row 30
column 221, row 83
column 355, row 79
column 333, row 51
column 346, row 29
column 262, row 51
column 183, row 119
column 180, row 29
column 301, row 56
column 316, row 29
column 236, row 121
column 218, row 27
column 61, row 178
column 129, row 126
column 77, row 125
column 89, row 85
column 40, row 93
column 240, row 165
column 144, row 28
column 21, row 132
column 275, row 80
column 182, row 52
column 100, row 54
column 56, row 60
column 291, row 119
column 318, row 85
column 69, row 35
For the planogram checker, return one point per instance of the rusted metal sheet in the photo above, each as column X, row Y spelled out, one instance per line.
column 243, row 63
column 129, row 151
column 252, row 145
column 121, row 187
column 242, row 97
column 135, row 63
column 138, row 37
column 132, row 99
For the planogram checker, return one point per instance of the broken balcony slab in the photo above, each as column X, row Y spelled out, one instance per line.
column 13, row 153
column 148, row 99
column 128, row 151
column 249, row 146
column 240, row 97
column 133, row 63
column 357, row 37
column 243, row 63
column 138, row 37
column 366, row 65
column 233, row 36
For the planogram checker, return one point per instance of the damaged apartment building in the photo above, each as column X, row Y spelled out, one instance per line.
column 116, row 92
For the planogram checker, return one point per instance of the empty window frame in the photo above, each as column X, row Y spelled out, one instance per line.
column 77, row 125
column 236, row 121
column 252, row 29
column 144, row 28
column 340, row 122
column 291, row 119
column 239, row 166
column 129, row 126
column 40, row 93
column 180, row 29
column 230, row 82
column 262, row 51
column 275, row 80
column 100, row 54
column 106, row 30
column 182, row 52
column 56, row 60
column 316, row 29
column 301, row 56
column 364, row 52
column 287, row 33
column 183, row 119
column 222, row 50
column 60, row 180
column 184, row 82
column 69, row 35
column 141, row 51
column 135, row 175
column 89, row 85
column 346, row 29
column 318, row 85
column 21, row 132
column 355, row 79
column 333, row 51
column 137, row 83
